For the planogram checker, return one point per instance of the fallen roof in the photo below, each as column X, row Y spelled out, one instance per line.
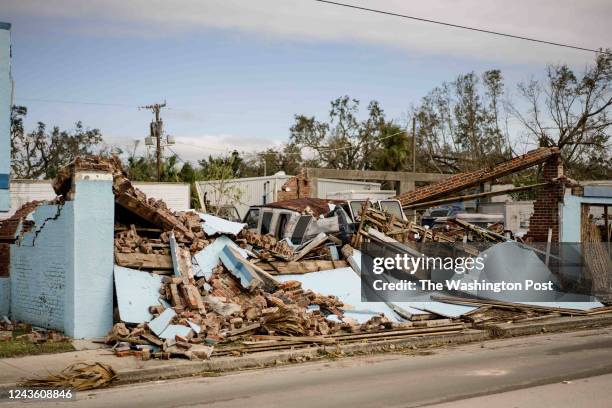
column 461, row 181
column 317, row 206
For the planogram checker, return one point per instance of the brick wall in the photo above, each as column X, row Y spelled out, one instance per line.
column 461, row 181
column 546, row 206
column 296, row 187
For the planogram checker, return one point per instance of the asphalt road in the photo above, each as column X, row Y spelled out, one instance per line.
column 522, row 372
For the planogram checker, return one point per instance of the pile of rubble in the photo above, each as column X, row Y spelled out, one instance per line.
column 10, row 330
column 191, row 285
column 228, row 298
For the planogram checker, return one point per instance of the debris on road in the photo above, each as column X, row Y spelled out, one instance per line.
column 79, row 376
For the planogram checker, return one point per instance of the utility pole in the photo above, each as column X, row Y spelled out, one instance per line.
column 414, row 144
column 156, row 134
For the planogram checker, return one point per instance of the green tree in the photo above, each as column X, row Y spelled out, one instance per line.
column 395, row 152
column 459, row 124
column 41, row 153
column 218, row 171
column 344, row 141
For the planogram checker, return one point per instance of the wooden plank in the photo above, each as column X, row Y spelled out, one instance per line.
column 506, row 305
column 314, row 243
column 301, row 267
column 144, row 261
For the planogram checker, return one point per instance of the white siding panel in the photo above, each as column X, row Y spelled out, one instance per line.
column 24, row 191
column 252, row 191
column 177, row 196
column 327, row 186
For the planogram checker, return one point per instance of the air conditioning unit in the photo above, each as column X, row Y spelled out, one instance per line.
column 170, row 140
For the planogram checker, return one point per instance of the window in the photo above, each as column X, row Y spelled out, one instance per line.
column 283, row 218
column 266, row 220
column 356, row 208
column 300, row 229
column 252, row 219
column 392, row 207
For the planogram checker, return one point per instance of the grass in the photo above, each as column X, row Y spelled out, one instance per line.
column 17, row 348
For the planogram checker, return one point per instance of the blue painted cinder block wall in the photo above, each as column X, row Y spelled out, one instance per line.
column 5, row 296
column 62, row 270
column 6, row 99
column 570, row 215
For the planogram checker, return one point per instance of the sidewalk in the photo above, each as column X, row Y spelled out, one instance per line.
column 131, row 369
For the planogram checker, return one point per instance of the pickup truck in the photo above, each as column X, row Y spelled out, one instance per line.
column 302, row 219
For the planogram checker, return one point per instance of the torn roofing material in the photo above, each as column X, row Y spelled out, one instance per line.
column 215, row 225
column 315, row 206
column 461, row 181
column 136, row 292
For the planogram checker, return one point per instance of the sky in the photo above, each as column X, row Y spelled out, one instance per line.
column 235, row 72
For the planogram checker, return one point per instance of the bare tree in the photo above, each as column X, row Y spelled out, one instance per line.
column 570, row 112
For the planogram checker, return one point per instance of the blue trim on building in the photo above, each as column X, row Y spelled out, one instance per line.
column 5, row 26
column 4, row 181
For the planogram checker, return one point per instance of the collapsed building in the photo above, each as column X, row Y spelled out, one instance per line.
column 104, row 260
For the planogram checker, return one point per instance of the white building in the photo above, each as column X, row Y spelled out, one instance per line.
column 264, row 190
column 177, row 196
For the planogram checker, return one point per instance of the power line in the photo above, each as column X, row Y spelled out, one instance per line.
column 480, row 30
column 75, row 102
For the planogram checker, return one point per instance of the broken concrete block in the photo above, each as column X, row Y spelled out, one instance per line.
column 173, row 330
column 238, row 266
column 161, row 322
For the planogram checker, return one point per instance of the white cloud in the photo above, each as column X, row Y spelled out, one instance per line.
column 584, row 23
column 194, row 148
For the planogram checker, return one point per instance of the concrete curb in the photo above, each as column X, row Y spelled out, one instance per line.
column 270, row 358
column 264, row 359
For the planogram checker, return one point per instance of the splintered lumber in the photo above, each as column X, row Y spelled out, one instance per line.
column 288, row 268
column 290, row 342
column 507, row 305
column 314, row 243
column 181, row 258
column 295, row 339
column 144, row 261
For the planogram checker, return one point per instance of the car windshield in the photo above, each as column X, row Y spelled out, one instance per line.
column 252, row 219
column 392, row 207
column 356, row 207
column 439, row 213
